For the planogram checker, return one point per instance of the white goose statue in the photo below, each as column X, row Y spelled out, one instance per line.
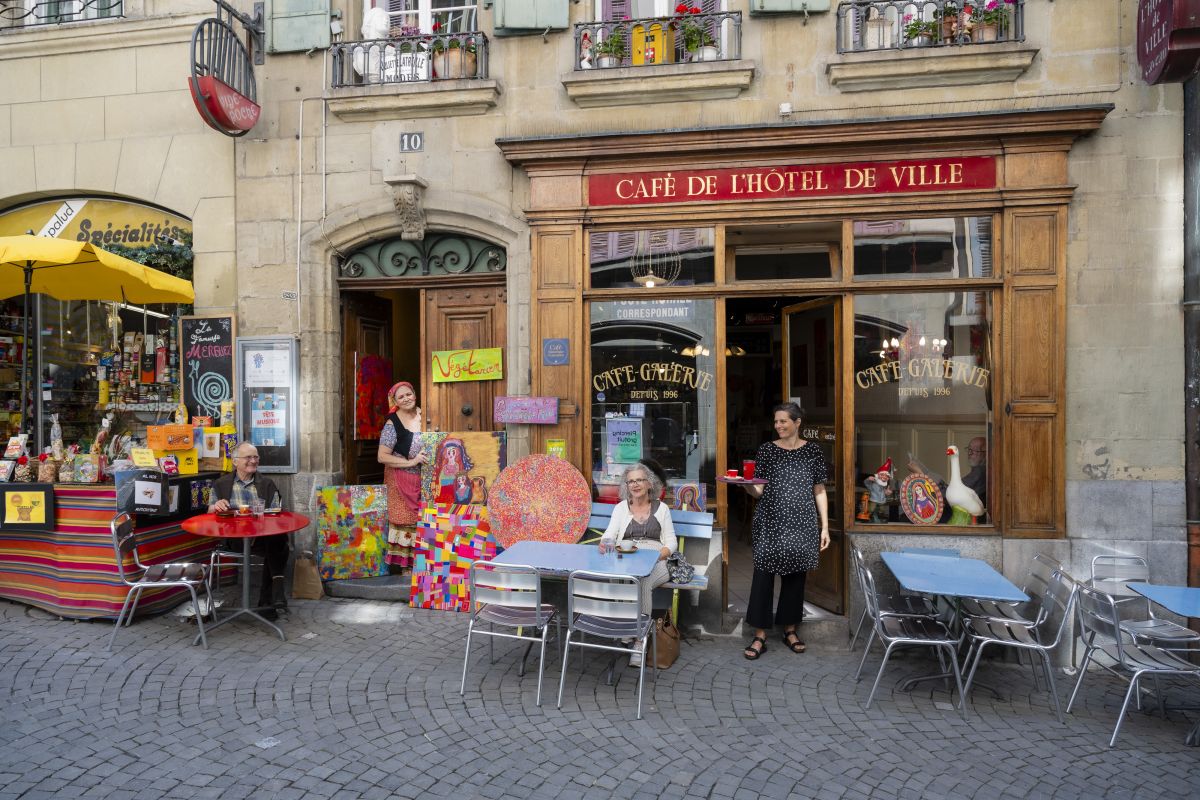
column 964, row 503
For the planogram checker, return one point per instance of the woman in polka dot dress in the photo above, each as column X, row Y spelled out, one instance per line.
column 791, row 527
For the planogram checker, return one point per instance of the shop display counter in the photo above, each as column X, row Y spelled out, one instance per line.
column 71, row 571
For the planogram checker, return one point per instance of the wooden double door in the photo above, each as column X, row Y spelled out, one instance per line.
column 405, row 326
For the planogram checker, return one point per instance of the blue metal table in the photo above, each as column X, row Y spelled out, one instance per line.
column 1182, row 600
column 947, row 576
column 953, row 578
column 560, row 560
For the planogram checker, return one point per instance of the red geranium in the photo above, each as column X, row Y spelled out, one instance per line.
column 23, row 460
column 43, row 456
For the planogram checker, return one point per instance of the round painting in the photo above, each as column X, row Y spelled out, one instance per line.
column 542, row 498
column 921, row 499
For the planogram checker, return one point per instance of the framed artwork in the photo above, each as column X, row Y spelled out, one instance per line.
column 921, row 499
column 27, row 506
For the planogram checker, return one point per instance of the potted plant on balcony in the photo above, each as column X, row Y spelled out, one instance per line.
column 954, row 20
column 919, row 32
column 990, row 18
column 697, row 41
column 453, row 57
column 610, row 51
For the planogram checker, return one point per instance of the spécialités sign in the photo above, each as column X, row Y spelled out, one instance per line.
column 787, row 182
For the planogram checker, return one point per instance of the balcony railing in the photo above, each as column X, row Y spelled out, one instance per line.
column 410, row 59
column 895, row 24
column 659, row 40
column 22, row 14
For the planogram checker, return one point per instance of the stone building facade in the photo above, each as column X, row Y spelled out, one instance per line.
column 101, row 106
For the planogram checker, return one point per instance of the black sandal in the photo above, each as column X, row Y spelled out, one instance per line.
column 762, row 648
column 798, row 646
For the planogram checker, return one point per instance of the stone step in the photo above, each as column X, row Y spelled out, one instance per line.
column 384, row 587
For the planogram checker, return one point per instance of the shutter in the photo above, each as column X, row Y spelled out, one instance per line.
column 517, row 17
column 788, row 6
column 1032, row 479
column 615, row 10
column 294, row 25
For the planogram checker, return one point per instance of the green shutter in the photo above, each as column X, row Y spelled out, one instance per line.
column 297, row 25
column 788, row 6
column 520, row 17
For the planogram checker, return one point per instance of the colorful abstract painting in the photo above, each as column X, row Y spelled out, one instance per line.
column 372, row 380
column 540, row 498
column 351, row 527
column 449, row 539
column 689, row 497
column 461, row 467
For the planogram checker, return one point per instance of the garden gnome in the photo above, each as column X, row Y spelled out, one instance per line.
column 879, row 489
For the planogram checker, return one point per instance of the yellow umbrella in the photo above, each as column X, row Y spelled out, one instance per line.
column 68, row 270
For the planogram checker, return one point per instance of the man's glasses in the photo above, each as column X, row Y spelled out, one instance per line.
column 977, row 450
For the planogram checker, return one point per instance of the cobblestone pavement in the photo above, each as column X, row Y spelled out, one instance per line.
column 362, row 701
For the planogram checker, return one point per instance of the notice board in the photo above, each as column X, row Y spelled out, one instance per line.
column 268, row 399
column 206, row 359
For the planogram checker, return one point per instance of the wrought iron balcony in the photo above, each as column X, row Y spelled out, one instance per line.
column 410, row 59
column 894, row 24
column 654, row 41
column 22, row 14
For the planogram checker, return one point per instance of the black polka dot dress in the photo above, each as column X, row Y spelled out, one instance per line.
column 787, row 527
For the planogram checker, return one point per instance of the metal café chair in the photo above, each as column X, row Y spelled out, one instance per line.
column 907, row 604
column 1110, row 574
column 153, row 576
column 1102, row 632
column 1030, row 613
column 904, row 630
column 608, row 607
column 509, row 596
column 1054, row 616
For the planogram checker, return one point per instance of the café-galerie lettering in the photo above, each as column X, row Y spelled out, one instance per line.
column 922, row 368
column 786, row 182
column 675, row 375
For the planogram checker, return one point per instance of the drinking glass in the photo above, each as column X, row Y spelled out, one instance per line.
column 259, row 506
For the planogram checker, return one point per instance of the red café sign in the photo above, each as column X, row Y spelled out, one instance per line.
column 222, row 82
column 1168, row 39
column 231, row 109
column 785, row 182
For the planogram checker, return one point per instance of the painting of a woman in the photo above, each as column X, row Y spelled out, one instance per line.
column 451, row 459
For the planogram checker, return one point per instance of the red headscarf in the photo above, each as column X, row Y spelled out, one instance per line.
column 392, row 407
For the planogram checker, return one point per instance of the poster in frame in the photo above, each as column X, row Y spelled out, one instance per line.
column 27, row 506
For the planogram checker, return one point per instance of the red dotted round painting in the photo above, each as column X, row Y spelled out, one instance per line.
column 921, row 499
column 539, row 498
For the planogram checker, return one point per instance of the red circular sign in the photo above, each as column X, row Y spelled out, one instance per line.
column 1168, row 42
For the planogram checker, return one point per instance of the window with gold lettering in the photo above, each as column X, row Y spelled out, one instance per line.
column 653, row 395
column 923, row 408
column 650, row 258
column 943, row 247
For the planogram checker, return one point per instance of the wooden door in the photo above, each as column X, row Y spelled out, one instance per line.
column 367, row 322
column 810, row 377
column 469, row 318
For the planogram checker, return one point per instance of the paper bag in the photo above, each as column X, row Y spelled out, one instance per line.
column 306, row 578
column 667, row 642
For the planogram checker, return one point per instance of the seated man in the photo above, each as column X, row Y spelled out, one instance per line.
column 242, row 487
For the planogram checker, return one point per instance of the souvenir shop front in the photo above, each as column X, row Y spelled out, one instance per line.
column 903, row 281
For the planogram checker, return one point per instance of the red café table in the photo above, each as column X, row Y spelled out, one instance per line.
column 245, row 528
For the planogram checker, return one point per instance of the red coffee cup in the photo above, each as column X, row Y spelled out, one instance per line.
column 748, row 470
column 731, row 473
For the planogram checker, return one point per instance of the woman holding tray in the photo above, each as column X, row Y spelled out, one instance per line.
column 401, row 455
column 791, row 528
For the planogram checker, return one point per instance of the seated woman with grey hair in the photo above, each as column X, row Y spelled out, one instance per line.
column 644, row 521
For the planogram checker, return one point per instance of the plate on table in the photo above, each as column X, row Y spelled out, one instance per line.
column 270, row 512
column 224, row 513
column 743, row 481
column 626, row 548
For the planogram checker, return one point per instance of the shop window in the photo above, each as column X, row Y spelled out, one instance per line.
column 804, row 251
column 946, row 247
column 650, row 258
column 432, row 16
column 923, row 388
column 654, row 395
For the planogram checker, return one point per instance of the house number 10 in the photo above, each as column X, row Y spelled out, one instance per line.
column 412, row 142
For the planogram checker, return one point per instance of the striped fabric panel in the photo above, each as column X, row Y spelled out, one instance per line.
column 72, row 571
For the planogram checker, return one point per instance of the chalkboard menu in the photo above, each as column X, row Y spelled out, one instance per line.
column 206, row 363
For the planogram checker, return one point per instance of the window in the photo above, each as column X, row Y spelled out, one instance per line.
column 949, row 247
column 420, row 16
column 811, row 250
column 650, row 258
column 653, row 394
column 923, row 390
column 46, row 12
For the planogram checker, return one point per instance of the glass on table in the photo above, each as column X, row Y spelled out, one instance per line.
column 258, row 507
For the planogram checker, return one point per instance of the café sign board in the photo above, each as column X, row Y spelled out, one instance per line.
column 793, row 181
column 526, row 410
column 1168, row 40
column 222, row 80
column 453, row 366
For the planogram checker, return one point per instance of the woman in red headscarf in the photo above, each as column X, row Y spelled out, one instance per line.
column 401, row 456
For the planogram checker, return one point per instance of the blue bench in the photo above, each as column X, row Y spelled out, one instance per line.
column 688, row 525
